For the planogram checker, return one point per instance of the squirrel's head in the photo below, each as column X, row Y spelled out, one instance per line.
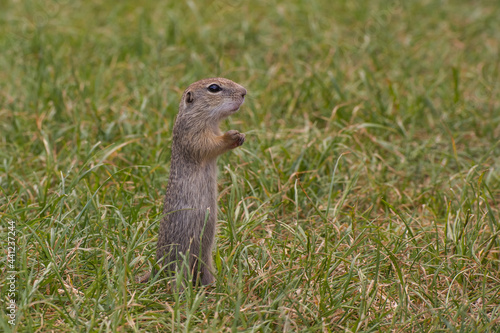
column 212, row 99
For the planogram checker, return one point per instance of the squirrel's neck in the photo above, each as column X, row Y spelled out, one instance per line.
column 193, row 140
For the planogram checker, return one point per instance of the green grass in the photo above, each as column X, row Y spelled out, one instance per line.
column 366, row 197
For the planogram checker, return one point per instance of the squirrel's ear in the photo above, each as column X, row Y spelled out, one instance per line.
column 189, row 97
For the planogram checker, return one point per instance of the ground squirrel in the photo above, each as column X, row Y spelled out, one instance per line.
column 191, row 198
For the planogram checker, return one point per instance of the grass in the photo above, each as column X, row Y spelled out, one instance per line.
column 366, row 197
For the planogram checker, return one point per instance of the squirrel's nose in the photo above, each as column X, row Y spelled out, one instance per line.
column 243, row 93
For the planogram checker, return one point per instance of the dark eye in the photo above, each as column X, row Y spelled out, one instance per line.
column 213, row 88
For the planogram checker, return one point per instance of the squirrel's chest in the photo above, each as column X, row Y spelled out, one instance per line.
column 193, row 187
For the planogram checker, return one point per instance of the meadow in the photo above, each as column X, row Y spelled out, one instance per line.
column 366, row 197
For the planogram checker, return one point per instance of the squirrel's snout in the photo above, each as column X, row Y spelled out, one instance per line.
column 244, row 92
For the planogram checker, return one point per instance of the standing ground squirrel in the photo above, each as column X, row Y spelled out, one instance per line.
column 191, row 198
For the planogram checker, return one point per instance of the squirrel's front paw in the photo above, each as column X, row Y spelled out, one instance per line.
column 235, row 138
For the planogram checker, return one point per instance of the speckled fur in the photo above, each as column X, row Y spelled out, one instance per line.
column 192, row 186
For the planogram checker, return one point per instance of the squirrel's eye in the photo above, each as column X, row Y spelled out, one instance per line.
column 213, row 88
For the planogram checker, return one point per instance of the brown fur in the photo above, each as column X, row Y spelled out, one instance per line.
column 192, row 186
